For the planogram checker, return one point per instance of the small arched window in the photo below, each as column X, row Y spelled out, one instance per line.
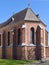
column 32, row 35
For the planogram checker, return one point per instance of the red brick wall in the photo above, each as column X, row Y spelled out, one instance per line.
column 22, row 52
column 31, row 52
column 47, row 51
column 46, row 37
column 1, row 52
column 9, row 52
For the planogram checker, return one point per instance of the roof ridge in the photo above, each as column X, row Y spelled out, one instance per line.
column 9, row 19
column 34, row 13
column 20, row 11
column 26, row 13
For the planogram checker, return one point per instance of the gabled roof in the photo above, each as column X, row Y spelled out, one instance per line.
column 26, row 14
column 30, row 15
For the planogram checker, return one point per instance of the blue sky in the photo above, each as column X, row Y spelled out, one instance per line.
column 8, row 7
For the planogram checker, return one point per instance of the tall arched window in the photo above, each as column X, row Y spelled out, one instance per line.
column 19, row 35
column 0, row 39
column 8, row 38
column 32, row 35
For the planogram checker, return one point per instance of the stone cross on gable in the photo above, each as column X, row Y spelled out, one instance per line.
column 28, row 3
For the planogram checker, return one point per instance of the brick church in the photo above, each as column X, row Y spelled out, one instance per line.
column 24, row 36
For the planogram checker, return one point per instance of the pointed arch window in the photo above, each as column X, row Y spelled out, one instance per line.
column 8, row 38
column 32, row 35
column 19, row 35
column 0, row 39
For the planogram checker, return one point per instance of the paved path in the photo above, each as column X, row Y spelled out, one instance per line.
column 40, row 63
column 44, row 63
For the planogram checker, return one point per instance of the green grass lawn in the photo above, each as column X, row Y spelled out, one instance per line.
column 15, row 62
